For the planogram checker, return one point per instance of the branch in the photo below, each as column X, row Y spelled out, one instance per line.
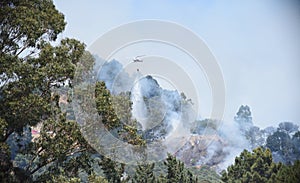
column 7, row 135
column 42, row 165
column 75, row 152
column 24, row 48
column 48, row 162
column 32, row 160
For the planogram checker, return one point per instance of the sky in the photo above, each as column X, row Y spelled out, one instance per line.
column 256, row 44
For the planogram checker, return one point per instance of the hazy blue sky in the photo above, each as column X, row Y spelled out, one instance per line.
column 257, row 44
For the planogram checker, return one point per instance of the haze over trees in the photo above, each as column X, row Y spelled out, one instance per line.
column 35, row 72
column 36, row 76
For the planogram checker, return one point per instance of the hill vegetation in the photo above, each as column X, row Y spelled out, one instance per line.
column 41, row 141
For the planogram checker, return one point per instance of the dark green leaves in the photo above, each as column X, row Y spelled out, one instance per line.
column 25, row 24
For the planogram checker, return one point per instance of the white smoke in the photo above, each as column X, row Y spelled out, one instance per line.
column 116, row 80
column 138, row 104
column 171, row 119
column 236, row 142
column 163, row 114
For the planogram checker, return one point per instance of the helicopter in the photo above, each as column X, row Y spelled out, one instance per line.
column 138, row 59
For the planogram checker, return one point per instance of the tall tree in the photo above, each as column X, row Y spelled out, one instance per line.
column 176, row 172
column 289, row 173
column 60, row 149
column 116, row 114
column 255, row 137
column 113, row 171
column 30, row 68
column 281, row 143
column 144, row 173
column 105, row 107
column 252, row 167
column 30, row 65
column 243, row 118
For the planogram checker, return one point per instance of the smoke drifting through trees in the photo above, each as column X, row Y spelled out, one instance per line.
column 167, row 116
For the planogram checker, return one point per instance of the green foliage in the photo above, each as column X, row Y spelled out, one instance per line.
column 174, row 168
column 113, row 171
column 32, row 68
column 6, row 167
column 116, row 114
column 63, row 179
column 206, row 174
column 26, row 96
column 105, row 107
column 30, row 65
column 85, row 67
column 289, row 173
column 96, row 179
column 252, row 167
column 26, row 24
column 60, row 149
column 144, row 174
column 122, row 106
column 176, row 172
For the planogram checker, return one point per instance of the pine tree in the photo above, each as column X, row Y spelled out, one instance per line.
column 176, row 172
column 144, row 174
column 172, row 169
column 116, row 115
column 113, row 171
column 252, row 167
column 105, row 107
column 289, row 173
column 96, row 179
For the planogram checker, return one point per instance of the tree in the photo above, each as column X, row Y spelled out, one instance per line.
column 255, row 137
column 30, row 65
column 105, row 107
column 97, row 179
column 144, row 173
column 252, row 167
column 113, row 171
column 116, row 115
column 288, row 173
column 31, row 68
column 60, row 149
column 243, row 118
column 176, row 172
column 288, row 127
column 296, row 143
column 281, row 143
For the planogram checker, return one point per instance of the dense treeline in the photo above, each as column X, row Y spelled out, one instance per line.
column 259, row 166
